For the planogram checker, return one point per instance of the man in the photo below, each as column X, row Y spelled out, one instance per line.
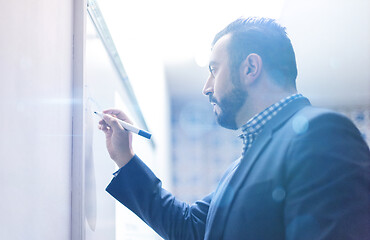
column 304, row 172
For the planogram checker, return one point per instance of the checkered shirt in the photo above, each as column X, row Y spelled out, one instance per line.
column 255, row 125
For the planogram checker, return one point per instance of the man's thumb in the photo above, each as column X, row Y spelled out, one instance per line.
column 112, row 122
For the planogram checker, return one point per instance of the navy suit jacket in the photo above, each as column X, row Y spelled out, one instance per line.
column 307, row 176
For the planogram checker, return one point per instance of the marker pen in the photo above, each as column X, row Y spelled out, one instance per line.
column 129, row 127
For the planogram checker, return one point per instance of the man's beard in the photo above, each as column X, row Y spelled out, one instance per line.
column 229, row 106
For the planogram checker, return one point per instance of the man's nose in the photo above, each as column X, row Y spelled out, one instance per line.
column 208, row 86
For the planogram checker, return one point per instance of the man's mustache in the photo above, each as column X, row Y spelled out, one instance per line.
column 212, row 99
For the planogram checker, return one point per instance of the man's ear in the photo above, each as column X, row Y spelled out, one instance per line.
column 251, row 68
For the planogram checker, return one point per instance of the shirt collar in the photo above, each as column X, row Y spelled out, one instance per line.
column 256, row 123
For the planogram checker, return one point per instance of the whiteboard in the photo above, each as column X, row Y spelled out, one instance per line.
column 105, row 85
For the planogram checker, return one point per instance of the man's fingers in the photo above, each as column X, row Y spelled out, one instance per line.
column 119, row 114
column 112, row 122
column 103, row 126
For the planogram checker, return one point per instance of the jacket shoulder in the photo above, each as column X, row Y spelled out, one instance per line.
column 310, row 118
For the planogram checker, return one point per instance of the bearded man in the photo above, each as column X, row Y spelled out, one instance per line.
column 304, row 171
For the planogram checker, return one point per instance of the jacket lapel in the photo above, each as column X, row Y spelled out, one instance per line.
column 218, row 222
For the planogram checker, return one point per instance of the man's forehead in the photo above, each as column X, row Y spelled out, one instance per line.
column 219, row 50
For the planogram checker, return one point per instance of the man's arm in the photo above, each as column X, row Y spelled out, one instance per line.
column 141, row 191
column 328, row 182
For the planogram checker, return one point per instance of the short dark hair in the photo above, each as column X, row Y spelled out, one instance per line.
column 268, row 39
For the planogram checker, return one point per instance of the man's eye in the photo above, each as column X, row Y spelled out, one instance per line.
column 212, row 71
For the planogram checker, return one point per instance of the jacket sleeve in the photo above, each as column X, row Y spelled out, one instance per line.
column 328, row 182
column 141, row 191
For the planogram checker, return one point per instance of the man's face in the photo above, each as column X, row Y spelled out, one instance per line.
column 224, row 91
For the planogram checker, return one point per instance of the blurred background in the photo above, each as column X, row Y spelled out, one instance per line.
column 331, row 40
column 61, row 60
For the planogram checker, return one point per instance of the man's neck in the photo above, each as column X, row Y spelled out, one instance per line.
column 256, row 104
